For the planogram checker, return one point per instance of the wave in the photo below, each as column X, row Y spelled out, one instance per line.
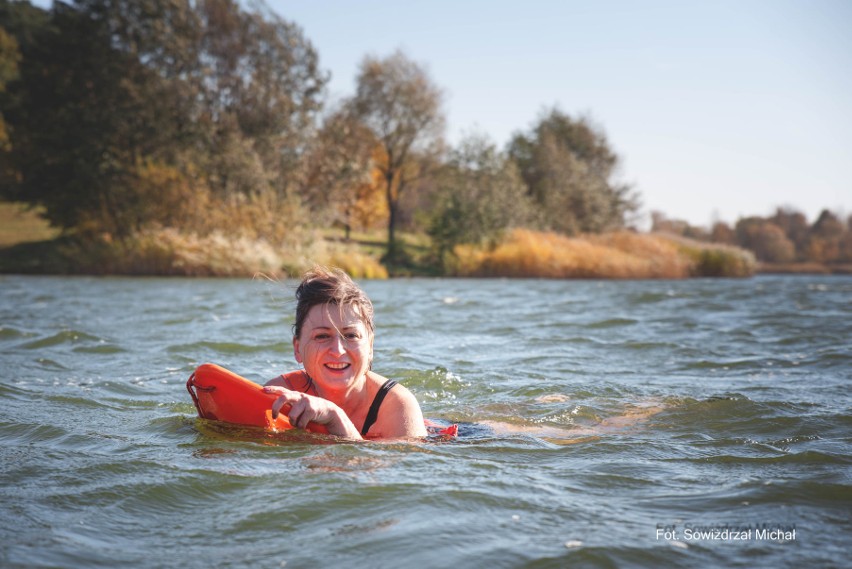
column 8, row 333
column 12, row 433
column 230, row 348
column 808, row 457
column 613, row 323
column 64, row 337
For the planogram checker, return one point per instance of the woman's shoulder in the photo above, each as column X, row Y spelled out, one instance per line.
column 399, row 414
column 296, row 380
column 394, row 389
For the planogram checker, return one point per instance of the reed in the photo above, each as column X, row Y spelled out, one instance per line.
column 350, row 257
column 170, row 252
column 620, row 255
column 167, row 251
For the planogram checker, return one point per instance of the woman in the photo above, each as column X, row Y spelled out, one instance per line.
column 333, row 340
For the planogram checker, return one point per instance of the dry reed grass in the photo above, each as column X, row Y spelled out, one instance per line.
column 620, row 255
column 346, row 256
column 206, row 235
column 168, row 251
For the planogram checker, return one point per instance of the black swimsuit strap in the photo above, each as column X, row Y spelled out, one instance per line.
column 373, row 413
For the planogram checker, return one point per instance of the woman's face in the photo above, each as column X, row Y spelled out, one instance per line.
column 335, row 346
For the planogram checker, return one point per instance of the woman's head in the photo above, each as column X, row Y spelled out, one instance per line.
column 333, row 332
column 333, row 287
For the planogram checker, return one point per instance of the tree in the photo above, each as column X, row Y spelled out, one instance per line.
column 569, row 171
column 661, row 223
column 794, row 224
column 846, row 242
column 21, row 23
column 722, row 233
column 87, row 113
column 9, row 58
column 765, row 239
column 370, row 209
column 398, row 101
column 260, row 81
column 339, row 168
column 825, row 237
column 480, row 195
column 115, row 93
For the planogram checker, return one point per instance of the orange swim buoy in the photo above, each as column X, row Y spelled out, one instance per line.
column 222, row 395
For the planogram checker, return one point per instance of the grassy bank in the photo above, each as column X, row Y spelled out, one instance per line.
column 168, row 252
column 29, row 245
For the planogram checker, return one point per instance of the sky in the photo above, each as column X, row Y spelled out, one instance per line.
column 718, row 110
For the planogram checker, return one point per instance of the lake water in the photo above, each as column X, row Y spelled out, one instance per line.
column 103, row 461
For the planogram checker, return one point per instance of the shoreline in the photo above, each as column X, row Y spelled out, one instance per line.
column 49, row 258
column 803, row 269
column 29, row 246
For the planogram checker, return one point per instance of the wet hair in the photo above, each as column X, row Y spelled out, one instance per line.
column 322, row 285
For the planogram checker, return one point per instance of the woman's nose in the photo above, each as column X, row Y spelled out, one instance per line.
column 337, row 344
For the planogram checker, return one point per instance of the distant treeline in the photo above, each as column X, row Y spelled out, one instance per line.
column 167, row 130
column 785, row 238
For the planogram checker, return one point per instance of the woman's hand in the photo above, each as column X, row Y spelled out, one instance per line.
column 304, row 409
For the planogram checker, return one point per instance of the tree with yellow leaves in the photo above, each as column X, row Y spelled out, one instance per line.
column 397, row 100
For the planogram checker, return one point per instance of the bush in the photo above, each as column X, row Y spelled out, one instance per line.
column 714, row 259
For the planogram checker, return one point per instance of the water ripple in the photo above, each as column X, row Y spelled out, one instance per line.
column 64, row 337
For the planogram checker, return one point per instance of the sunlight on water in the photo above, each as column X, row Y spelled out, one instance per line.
column 603, row 423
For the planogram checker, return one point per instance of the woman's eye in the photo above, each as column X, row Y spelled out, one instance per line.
column 322, row 337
